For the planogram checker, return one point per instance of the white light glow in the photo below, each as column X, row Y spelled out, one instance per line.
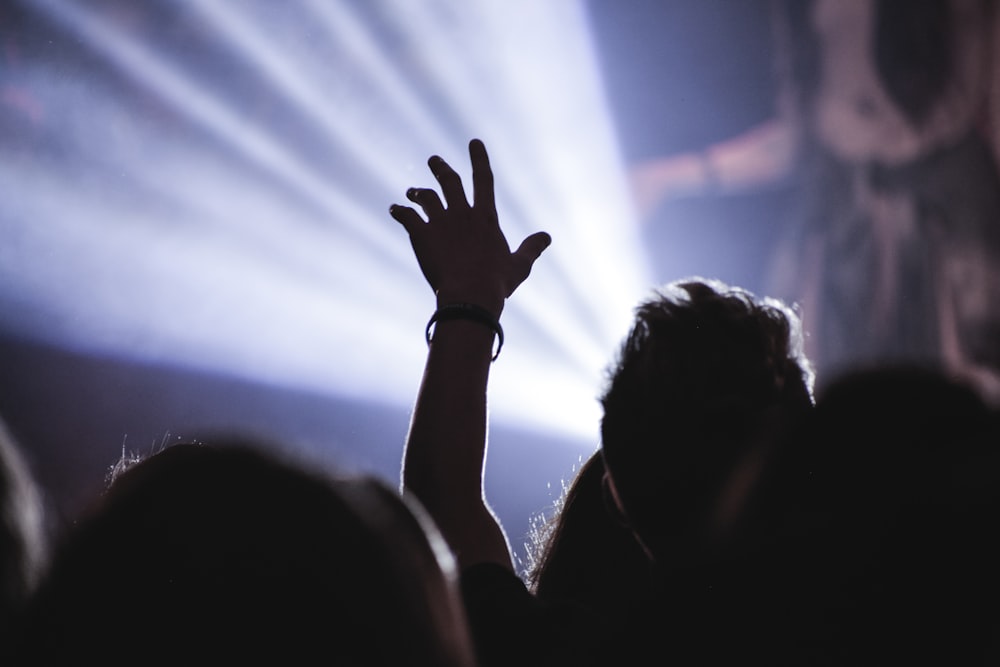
column 230, row 211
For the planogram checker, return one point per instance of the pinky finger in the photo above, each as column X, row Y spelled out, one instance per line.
column 406, row 216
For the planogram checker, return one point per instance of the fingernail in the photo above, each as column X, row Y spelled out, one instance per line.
column 434, row 162
column 411, row 193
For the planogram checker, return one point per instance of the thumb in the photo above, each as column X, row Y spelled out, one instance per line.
column 531, row 248
column 524, row 257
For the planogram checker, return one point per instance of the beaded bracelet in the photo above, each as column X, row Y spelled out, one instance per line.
column 466, row 311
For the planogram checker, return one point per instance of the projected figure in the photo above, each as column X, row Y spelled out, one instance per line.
column 888, row 123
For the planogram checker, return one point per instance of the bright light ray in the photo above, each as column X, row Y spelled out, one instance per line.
column 269, row 253
column 300, row 80
column 187, row 176
column 346, row 29
column 152, row 71
column 564, row 153
column 293, row 330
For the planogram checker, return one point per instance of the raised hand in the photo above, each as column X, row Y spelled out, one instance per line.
column 461, row 249
column 466, row 259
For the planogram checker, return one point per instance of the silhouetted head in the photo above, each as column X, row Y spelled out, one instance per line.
column 229, row 551
column 873, row 532
column 705, row 374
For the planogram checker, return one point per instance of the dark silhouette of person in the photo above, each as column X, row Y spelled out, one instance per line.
column 227, row 551
column 582, row 553
column 707, row 374
column 870, row 536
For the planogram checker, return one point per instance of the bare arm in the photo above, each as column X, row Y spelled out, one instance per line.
column 760, row 156
column 466, row 260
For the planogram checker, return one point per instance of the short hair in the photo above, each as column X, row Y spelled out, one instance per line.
column 704, row 371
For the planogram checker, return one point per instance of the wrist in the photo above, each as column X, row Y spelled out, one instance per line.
column 467, row 312
column 489, row 303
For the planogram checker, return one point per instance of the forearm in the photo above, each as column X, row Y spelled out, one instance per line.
column 763, row 155
column 446, row 444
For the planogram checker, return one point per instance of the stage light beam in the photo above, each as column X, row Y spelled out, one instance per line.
column 247, row 256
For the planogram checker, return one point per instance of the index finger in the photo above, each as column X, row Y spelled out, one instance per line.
column 482, row 179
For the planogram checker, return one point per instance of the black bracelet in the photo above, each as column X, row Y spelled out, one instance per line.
column 466, row 311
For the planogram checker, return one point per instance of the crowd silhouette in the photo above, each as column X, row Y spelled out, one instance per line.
column 226, row 552
column 732, row 510
column 740, row 507
column 758, row 521
column 805, row 478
